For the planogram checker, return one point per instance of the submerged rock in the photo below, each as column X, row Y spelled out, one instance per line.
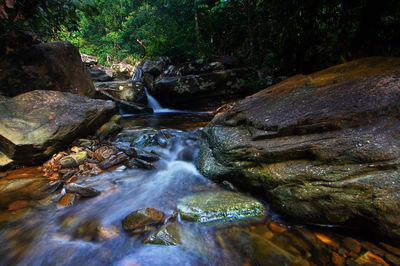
column 142, row 218
column 219, row 206
column 168, row 235
column 261, row 251
column 322, row 148
column 86, row 192
column 37, row 124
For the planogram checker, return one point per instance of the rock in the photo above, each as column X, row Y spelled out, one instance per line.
column 123, row 70
column 47, row 66
column 73, row 160
column 68, row 199
column 322, row 148
column 142, row 218
column 172, row 91
column 104, row 153
column 261, row 251
column 114, row 160
column 89, row 60
column 101, row 73
column 147, row 156
column 219, row 206
column 86, row 192
column 106, row 233
column 123, row 90
column 337, row 259
column 352, row 245
column 15, row 189
column 154, row 66
column 167, row 235
column 139, row 163
column 5, row 162
column 107, row 129
column 37, row 124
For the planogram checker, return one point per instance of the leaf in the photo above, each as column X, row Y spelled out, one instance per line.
column 3, row 13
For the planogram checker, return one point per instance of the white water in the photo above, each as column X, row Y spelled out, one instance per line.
column 156, row 106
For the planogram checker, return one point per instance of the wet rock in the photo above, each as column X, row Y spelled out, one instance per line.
column 369, row 257
column 139, row 163
column 142, row 218
column 68, row 199
column 5, row 162
column 352, row 245
column 167, row 235
column 107, row 129
column 219, row 206
column 86, row 192
column 104, row 153
column 106, row 233
column 37, row 124
column 260, row 250
column 228, row 186
column 337, row 259
column 138, row 138
column 17, row 205
column 45, row 66
column 147, row 156
column 114, row 160
column 73, row 160
column 321, row 148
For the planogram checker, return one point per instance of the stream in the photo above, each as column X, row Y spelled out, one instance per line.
column 89, row 232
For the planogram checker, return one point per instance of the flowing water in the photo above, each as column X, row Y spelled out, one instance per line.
column 89, row 232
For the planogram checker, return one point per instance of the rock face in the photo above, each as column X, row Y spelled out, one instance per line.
column 219, row 206
column 322, row 148
column 192, row 88
column 36, row 124
column 48, row 66
column 189, row 84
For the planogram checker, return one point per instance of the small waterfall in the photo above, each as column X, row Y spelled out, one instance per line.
column 153, row 103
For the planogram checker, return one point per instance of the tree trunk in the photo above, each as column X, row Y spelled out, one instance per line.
column 196, row 21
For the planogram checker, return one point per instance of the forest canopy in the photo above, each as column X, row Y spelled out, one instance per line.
column 288, row 36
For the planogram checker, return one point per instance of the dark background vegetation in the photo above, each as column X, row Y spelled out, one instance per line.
column 283, row 36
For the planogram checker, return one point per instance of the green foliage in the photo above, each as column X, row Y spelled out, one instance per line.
column 288, row 36
column 46, row 17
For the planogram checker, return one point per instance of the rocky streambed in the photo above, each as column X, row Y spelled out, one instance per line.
column 166, row 214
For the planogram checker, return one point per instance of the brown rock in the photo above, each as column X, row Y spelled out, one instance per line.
column 336, row 259
column 114, row 160
column 104, row 153
column 142, row 218
column 352, row 245
column 322, row 148
column 48, row 66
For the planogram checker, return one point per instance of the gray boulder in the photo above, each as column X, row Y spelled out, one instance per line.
column 37, row 124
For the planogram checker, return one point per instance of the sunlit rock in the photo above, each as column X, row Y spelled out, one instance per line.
column 218, row 206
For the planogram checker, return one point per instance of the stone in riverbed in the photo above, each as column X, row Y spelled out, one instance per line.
column 114, row 160
column 73, row 160
column 219, row 206
column 37, row 124
column 261, row 251
column 142, row 218
column 168, row 235
column 86, row 192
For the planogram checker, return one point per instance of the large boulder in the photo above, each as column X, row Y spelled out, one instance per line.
column 48, row 66
column 36, row 124
column 190, row 89
column 323, row 148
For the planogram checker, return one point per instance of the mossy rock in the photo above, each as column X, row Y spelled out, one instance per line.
column 219, row 206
